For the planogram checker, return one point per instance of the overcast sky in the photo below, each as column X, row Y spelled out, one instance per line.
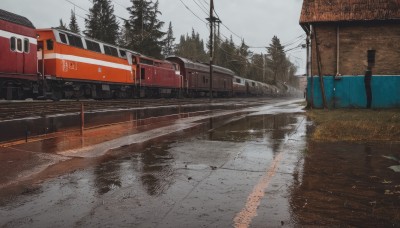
column 256, row 21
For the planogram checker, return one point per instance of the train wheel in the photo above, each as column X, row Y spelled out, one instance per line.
column 57, row 95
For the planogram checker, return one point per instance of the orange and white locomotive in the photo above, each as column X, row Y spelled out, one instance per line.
column 76, row 66
column 55, row 63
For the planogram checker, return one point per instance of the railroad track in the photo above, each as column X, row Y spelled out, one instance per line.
column 17, row 110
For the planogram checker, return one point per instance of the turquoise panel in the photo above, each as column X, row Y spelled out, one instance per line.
column 349, row 92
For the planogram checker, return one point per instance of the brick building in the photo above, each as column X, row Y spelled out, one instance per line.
column 347, row 37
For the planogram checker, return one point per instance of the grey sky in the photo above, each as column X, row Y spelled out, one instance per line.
column 257, row 21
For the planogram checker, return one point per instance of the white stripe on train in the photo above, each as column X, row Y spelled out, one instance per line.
column 8, row 35
column 74, row 58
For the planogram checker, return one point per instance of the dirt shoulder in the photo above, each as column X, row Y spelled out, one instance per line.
column 355, row 125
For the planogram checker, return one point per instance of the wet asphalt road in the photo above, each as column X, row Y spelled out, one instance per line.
column 254, row 168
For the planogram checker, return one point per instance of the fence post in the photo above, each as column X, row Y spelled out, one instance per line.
column 82, row 118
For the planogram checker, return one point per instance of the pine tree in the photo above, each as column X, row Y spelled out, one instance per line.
column 102, row 23
column 145, row 28
column 62, row 25
column 123, row 35
column 169, row 45
column 241, row 59
column 191, row 47
column 73, row 24
column 277, row 61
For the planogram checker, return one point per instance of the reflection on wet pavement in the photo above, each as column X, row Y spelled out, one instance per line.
column 348, row 184
column 246, row 171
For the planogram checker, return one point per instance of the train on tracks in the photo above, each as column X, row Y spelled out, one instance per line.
column 58, row 64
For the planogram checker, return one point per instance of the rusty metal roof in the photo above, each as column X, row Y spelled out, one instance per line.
column 14, row 18
column 349, row 10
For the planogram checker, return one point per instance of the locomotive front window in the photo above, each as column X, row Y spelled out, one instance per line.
column 75, row 41
column 63, row 38
column 147, row 61
column 122, row 53
column 19, row 45
column 142, row 73
column 110, row 51
column 26, row 45
column 13, row 43
column 93, row 46
column 50, row 44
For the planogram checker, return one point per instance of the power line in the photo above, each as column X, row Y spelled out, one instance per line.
column 240, row 37
column 125, row 7
column 193, row 12
column 77, row 6
column 80, row 16
column 296, row 40
column 87, row 11
column 199, row 1
column 205, row 11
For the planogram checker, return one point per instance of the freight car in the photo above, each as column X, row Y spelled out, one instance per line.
column 60, row 64
column 18, row 60
column 240, row 87
column 196, row 78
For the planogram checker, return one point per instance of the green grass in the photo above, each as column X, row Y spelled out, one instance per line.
column 356, row 125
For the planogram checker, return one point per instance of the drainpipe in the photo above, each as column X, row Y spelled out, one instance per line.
column 319, row 64
column 337, row 51
column 308, row 74
column 311, row 66
column 337, row 64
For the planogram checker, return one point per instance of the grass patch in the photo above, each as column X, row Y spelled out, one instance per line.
column 355, row 125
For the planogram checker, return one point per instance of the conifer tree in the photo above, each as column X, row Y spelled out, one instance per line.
column 62, row 25
column 169, row 40
column 191, row 47
column 145, row 28
column 123, row 35
column 102, row 23
column 240, row 59
column 73, row 24
column 276, row 59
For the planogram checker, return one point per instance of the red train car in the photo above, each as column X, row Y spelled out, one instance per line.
column 18, row 59
column 196, row 78
column 158, row 78
column 75, row 66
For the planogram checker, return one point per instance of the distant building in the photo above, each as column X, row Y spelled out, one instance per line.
column 302, row 82
column 347, row 38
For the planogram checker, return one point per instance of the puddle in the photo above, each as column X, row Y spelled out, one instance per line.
column 348, row 184
column 185, row 179
column 42, row 125
column 254, row 169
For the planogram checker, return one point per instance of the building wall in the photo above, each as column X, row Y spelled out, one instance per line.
column 349, row 92
column 355, row 40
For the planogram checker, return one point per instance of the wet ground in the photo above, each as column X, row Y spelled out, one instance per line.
column 249, row 168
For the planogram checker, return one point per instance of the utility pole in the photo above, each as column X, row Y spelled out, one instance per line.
column 211, row 19
column 263, row 56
